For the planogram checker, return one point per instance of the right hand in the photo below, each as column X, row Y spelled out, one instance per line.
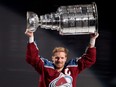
column 29, row 33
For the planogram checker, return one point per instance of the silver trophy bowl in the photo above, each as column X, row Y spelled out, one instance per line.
column 32, row 21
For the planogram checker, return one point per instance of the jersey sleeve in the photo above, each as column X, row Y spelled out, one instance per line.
column 33, row 57
column 87, row 59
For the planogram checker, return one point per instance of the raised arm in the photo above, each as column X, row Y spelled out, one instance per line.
column 93, row 39
column 89, row 57
column 32, row 53
column 30, row 35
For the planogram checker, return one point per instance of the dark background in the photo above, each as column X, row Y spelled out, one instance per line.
column 16, row 72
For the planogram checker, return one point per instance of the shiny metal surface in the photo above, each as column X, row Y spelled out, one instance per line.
column 68, row 20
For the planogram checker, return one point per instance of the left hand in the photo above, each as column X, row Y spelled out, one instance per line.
column 94, row 35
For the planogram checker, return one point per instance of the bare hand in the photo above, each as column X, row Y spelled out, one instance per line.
column 28, row 33
column 94, row 35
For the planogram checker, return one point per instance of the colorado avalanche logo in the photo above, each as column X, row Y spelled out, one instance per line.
column 62, row 81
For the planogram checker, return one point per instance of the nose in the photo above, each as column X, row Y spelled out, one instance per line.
column 59, row 59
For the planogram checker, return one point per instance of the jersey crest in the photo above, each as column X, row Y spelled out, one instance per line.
column 64, row 80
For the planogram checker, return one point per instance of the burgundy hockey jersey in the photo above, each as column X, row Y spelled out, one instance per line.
column 49, row 77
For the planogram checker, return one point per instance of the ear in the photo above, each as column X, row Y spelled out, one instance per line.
column 66, row 59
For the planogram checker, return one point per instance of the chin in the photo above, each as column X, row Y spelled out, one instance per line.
column 59, row 66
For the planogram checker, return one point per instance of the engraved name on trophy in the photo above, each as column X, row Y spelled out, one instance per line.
column 68, row 20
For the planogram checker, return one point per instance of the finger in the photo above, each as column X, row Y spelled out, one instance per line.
column 27, row 31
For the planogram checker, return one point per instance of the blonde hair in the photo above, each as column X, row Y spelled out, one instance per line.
column 60, row 49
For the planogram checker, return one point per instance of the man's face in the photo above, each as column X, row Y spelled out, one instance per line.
column 59, row 59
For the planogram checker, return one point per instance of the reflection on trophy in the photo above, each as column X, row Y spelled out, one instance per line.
column 67, row 20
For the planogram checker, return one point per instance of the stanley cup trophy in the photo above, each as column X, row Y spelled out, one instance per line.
column 67, row 20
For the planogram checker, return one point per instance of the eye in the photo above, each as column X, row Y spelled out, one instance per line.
column 57, row 57
column 62, row 57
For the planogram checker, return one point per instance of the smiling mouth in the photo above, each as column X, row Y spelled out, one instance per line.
column 58, row 63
